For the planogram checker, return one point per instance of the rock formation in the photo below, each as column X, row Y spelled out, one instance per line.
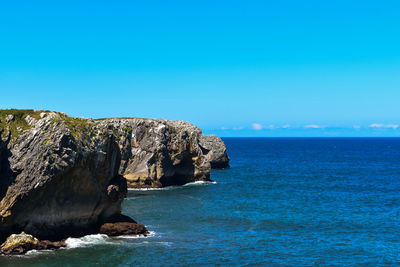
column 158, row 153
column 214, row 149
column 59, row 176
column 62, row 176
column 122, row 225
column 17, row 244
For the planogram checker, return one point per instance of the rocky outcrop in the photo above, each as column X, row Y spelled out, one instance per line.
column 18, row 244
column 214, row 149
column 64, row 177
column 158, row 153
column 122, row 225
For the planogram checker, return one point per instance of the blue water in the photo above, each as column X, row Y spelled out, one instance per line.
column 284, row 202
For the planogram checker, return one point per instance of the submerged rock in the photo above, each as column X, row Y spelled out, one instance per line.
column 214, row 149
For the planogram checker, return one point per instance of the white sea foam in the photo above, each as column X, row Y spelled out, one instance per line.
column 151, row 234
column 200, row 183
column 173, row 187
column 151, row 189
column 91, row 240
column 36, row 252
column 99, row 239
column 88, row 240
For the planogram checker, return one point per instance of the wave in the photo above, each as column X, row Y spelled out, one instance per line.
column 88, row 240
column 91, row 240
column 152, row 189
column 151, row 234
column 100, row 239
column 173, row 186
column 200, row 183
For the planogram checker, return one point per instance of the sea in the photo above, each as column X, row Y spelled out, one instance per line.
column 283, row 202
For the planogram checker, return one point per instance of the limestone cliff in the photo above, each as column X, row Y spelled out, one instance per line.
column 214, row 149
column 63, row 176
column 157, row 153
column 59, row 175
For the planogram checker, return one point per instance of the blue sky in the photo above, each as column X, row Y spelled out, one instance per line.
column 234, row 68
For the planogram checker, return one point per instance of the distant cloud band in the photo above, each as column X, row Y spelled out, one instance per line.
column 381, row 125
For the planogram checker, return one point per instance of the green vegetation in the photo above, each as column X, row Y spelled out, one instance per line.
column 127, row 129
column 46, row 141
column 80, row 128
column 18, row 124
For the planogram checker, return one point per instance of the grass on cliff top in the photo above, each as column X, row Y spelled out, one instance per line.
column 18, row 124
column 80, row 128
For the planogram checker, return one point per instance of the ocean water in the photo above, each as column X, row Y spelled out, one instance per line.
column 284, row 202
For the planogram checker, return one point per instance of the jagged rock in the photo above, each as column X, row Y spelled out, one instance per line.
column 61, row 176
column 214, row 149
column 50, row 245
column 9, row 118
column 122, row 225
column 123, row 228
column 157, row 153
column 17, row 244
column 55, row 175
column 30, row 120
column 19, row 239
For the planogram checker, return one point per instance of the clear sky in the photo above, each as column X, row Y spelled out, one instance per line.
column 234, row 68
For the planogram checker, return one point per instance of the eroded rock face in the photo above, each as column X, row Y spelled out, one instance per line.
column 214, row 149
column 64, row 178
column 157, row 153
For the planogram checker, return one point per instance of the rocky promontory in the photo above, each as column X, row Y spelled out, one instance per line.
column 62, row 176
column 158, row 153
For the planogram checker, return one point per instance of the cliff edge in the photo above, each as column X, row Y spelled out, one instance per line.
column 62, row 176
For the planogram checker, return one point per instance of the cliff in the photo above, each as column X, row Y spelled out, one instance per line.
column 158, row 153
column 59, row 175
column 62, row 176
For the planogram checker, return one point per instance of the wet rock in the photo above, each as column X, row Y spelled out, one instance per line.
column 50, row 245
column 18, row 244
column 122, row 225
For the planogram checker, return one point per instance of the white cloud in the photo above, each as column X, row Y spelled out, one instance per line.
column 271, row 127
column 286, row 126
column 393, row 126
column 237, row 128
column 376, row 125
column 312, row 126
column 257, row 126
column 381, row 125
